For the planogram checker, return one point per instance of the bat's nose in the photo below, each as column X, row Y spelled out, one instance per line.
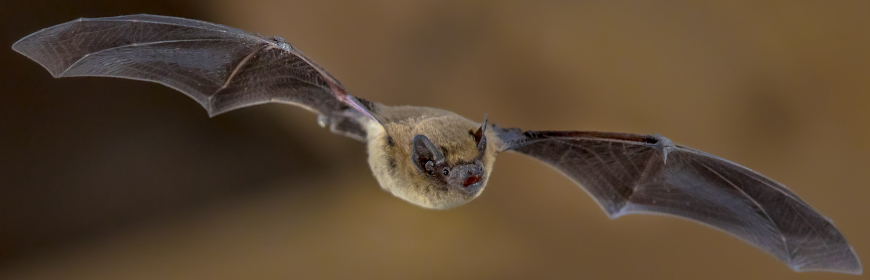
column 473, row 176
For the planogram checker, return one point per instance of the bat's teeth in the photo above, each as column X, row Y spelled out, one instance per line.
column 471, row 180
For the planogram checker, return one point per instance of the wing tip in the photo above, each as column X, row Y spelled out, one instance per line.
column 17, row 47
column 851, row 264
column 27, row 44
column 17, row 44
column 857, row 270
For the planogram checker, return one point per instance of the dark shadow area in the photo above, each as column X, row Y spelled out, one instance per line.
column 81, row 156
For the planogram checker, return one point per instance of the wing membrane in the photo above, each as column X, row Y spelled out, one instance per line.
column 222, row 68
column 640, row 174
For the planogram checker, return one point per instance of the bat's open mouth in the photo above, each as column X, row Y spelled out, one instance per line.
column 471, row 180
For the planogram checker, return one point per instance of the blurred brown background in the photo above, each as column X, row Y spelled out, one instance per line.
column 116, row 179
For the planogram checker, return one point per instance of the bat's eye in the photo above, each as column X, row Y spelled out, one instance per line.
column 445, row 171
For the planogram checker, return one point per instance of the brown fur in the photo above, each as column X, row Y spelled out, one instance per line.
column 447, row 130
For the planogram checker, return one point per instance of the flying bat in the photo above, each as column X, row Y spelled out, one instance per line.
column 435, row 158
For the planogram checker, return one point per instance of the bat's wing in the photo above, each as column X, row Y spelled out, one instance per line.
column 642, row 174
column 221, row 67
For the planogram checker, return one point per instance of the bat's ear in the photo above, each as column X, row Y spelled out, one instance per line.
column 426, row 155
column 480, row 138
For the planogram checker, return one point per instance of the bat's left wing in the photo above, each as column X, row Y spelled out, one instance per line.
column 221, row 67
column 646, row 174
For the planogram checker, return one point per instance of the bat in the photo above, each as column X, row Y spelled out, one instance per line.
column 435, row 158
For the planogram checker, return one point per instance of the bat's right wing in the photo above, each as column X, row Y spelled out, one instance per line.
column 645, row 174
column 221, row 67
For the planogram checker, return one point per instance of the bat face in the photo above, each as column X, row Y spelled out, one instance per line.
column 464, row 176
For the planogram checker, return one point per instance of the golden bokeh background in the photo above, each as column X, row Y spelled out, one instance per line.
column 116, row 179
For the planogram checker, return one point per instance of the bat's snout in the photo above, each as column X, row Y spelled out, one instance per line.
column 471, row 177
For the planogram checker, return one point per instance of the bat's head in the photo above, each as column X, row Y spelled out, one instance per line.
column 445, row 183
column 437, row 163
column 452, row 173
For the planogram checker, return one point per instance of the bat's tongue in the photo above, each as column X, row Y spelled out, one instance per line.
column 471, row 180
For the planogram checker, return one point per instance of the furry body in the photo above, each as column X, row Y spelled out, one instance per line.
column 389, row 148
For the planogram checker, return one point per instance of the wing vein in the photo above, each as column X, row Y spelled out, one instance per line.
column 224, row 29
column 766, row 215
column 616, row 158
column 235, row 71
column 779, row 188
column 626, row 157
column 132, row 45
